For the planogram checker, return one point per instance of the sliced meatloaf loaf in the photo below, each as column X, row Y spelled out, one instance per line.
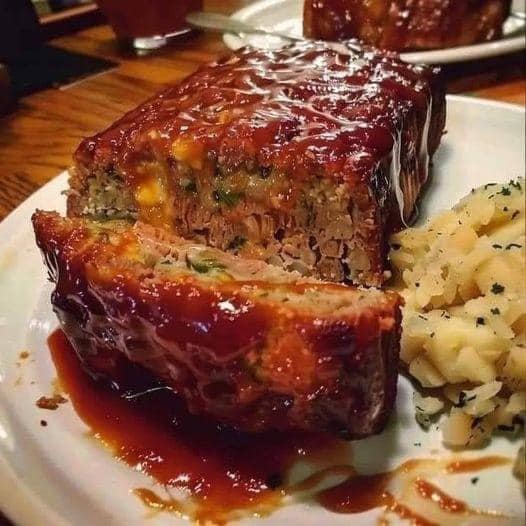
column 243, row 342
column 406, row 24
column 307, row 157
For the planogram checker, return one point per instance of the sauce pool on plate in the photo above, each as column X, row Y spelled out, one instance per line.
column 226, row 472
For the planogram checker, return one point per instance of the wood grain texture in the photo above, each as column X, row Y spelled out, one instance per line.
column 39, row 136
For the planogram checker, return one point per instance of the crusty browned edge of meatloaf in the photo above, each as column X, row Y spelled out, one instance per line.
column 409, row 25
column 235, row 350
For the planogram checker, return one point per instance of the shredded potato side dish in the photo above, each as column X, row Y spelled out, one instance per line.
column 463, row 277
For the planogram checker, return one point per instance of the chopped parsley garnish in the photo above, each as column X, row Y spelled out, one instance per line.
column 496, row 245
column 497, row 288
column 495, row 310
column 474, row 480
column 505, row 191
column 481, row 321
column 513, row 245
column 515, row 184
column 204, row 265
column 227, row 197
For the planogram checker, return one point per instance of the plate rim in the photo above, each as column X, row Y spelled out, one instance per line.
column 452, row 55
column 21, row 502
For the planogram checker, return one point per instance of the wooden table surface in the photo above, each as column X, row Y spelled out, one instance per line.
column 39, row 136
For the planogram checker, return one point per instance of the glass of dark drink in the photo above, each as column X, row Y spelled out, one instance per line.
column 148, row 24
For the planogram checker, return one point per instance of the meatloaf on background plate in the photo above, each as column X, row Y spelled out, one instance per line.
column 241, row 341
column 307, row 157
column 406, row 24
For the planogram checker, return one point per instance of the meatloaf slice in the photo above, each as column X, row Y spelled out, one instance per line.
column 241, row 341
column 406, row 24
column 307, row 157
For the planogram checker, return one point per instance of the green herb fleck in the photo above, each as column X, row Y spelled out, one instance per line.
column 227, row 197
column 497, row 288
column 495, row 310
column 481, row 321
column 204, row 265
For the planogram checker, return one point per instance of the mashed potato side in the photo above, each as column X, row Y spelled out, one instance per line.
column 463, row 277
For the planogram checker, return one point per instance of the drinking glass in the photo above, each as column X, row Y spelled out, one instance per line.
column 148, row 24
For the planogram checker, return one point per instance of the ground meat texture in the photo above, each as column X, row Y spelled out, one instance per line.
column 243, row 342
column 406, row 24
column 307, row 157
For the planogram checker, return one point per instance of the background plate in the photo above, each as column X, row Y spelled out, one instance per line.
column 57, row 475
column 286, row 16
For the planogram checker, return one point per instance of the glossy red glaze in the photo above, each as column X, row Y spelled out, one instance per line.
column 253, row 364
column 407, row 24
column 308, row 110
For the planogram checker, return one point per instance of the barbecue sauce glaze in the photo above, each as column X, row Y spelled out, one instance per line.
column 312, row 109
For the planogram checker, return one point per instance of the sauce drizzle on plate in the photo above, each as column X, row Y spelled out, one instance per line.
column 227, row 473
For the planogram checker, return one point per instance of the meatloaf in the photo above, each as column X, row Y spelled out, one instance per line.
column 406, row 24
column 307, row 157
column 243, row 342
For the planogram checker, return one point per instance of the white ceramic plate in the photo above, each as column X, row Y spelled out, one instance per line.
column 58, row 476
column 286, row 16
